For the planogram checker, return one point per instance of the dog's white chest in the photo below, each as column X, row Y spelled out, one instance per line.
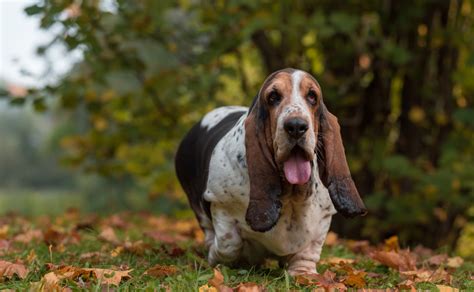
column 228, row 188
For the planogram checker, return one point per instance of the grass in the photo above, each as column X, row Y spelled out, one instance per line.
column 187, row 256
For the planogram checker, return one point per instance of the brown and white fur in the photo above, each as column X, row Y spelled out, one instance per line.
column 232, row 167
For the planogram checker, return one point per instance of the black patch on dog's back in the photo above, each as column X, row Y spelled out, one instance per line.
column 193, row 158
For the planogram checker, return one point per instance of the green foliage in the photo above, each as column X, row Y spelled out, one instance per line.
column 398, row 74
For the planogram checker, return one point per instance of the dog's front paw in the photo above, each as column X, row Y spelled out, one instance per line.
column 302, row 267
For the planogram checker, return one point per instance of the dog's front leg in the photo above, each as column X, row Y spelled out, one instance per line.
column 227, row 245
column 304, row 261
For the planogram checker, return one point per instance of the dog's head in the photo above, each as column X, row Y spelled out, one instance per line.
column 288, row 130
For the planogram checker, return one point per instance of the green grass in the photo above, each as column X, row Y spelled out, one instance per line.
column 193, row 270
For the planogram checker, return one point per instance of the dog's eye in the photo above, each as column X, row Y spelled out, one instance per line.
column 274, row 98
column 312, row 97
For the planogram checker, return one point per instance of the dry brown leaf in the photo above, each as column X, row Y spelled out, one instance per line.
column 455, row 262
column 50, row 282
column 92, row 256
column 361, row 246
column 356, row 279
column 9, row 270
column 137, row 247
column 4, row 246
column 402, row 260
column 326, row 280
column 417, row 276
column 161, row 271
column 53, row 237
column 108, row 235
column 29, row 236
column 443, row 288
column 407, row 285
column 110, row 277
column 249, row 287
column 336, row 261
column 164, row 237
column 105, row 276
column 217, row 280
column 438, row 259
column 423, row 251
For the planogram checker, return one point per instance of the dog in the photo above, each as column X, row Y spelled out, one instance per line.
column 265, row 181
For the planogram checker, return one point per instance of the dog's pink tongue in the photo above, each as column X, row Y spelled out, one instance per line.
column 297, row 169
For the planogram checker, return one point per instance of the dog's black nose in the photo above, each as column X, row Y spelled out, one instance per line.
column 295, row 127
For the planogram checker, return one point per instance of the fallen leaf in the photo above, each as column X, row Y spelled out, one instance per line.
column 391, row 244
column 207, row 288
column 248, row 287
column 4, row 231
column 417, row 276
column 455, row 262
column 336, row 261
column 53, row 237
column 108, row 235
column 9, row 270
column 161, row 271
column 105, row 276
column 440, row 275
column 438, row 259
column 29, row 236
column 360, row 246
column 110, row 277
column 164, row 237
column 402, row 260
column 217, row 280
column 326, row 280
column 116, row 251
column 356, row 279
column 407, row 285
column 92, row 256
column 136, row 247
column 423, row 251
column 443, row 288
column 51, row 281
column 31, row 256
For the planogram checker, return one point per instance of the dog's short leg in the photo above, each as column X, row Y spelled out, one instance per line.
column 304, row 262
column 227, row 244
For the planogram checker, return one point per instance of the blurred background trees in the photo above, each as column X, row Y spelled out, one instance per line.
column 398, row 74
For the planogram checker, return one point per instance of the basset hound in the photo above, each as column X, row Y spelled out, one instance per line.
column 265, row 181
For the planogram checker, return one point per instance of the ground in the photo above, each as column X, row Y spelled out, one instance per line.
column 144, row 251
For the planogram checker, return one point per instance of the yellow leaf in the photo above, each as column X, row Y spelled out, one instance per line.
column 31, row 256
column 391, row 244
column 443, row 288
column 206, row 288
column 116, row 251
column 4, row 231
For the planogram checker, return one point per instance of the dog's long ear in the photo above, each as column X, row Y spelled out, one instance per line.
column 265, row 186
column 333, row 168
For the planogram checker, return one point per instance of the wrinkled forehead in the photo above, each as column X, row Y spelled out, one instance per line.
column 285, row 80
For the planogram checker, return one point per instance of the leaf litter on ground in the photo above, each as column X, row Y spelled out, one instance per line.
column 80, row 251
